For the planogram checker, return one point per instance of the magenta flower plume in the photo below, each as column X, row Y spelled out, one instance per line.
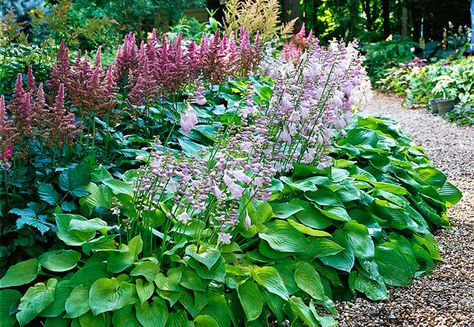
column 60, row 72
column 31, row 80
column 40, row 113
column 20, row 108
column 8, row 133
column 63, row 125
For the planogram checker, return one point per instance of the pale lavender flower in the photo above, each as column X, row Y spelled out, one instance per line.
column 188, row 119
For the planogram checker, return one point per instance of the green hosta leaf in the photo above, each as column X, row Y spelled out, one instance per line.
column 119, row 261
column 191, row 280
column 20, row 274
column 36, row 299
column 57, row 322
column 63, row 290
column 303, row 312
column 147, row 269
column 125, row 317
column 316, row 248
column 217, row 308
column 102, row 320
column 170, row 282
column 336, row 213
column 205, row 321
column 251, row 299
column 144, row 290
column 47, row 193
column 78, row 302
column 324, row 197
column 358, row 239
column 89, row 226
column 285, row 210
column 311, row 216
column 68, row 236
column 362, row 136
column 308, row 280
column 392, row 188
column 392, row 265
column 59, row 260
column 8, row 300
column 343, row 260
column 118, row 187
column 205, row 254
column 269, row 278
column 431, row 175
column 450, row 194
column 302, row 185
column 88, row 274
column 110, row 295
column 281, row 236
column 374, row 290
column 260, row 212
column 153, row 314
column 308, row 231
column 98, row 196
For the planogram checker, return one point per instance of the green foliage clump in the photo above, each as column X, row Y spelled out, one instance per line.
column 327, row 234
column 383, row 55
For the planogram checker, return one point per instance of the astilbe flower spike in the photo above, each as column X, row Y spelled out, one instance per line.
column 60, row 72
column 63, row 125
column 20, row 108
column 8, row 133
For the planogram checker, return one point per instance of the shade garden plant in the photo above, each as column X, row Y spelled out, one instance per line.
column 207, row 184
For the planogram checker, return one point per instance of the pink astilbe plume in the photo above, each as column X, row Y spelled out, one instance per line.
column 126, row 59
column 8, row 133
column 249, row 55
column 294, row 49
column 63, row 125
column 60, row 72
column 20, row 108
column 142, row 85
column 31, row 81
column 40, row 117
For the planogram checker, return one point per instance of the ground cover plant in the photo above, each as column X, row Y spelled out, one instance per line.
column 420, row 82
column 203, row 183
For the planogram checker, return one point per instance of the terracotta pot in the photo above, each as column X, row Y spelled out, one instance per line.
column 444, row 106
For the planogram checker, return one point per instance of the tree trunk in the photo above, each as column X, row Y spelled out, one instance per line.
column 386, row 17
column 368, row 14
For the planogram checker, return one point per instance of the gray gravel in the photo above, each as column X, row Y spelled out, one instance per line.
column 445, row 298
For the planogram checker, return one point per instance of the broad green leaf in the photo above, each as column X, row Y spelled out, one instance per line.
column 324, row 197
column 191, row 280
column 153, row 314
column 88, row 274
column 311, row 216
column 307, row 230
column 285, row 210
column 392, row 265
column 302, row 185
column 374, row 290
column 121, row 260
column 362, row 136
column 308, row 280
column 125, row 317
column 110, row 295
column 74, row 179
column 260, row 212
column 431, row 175
column 217, row 308
column 205, row 321
column 450, row 194
column 169, row 282
column 118, row 186
column 303, row 312
column 392, row 188
column 102, row 320
column 251, row 299
column 55, row 309
column 98, row 196
column 68, row 236
column 89, row 226
column 9, row 299
column 336, row 213
column 78, row 302
column 36, row 299
column 281, row 236
column 269, row 278
column 47, row 193
column 147, row 269
column 20, row 274
column 205, row 254
column 144, row 290
column 316, row 248
column 358, row 240
column 59, row 260
column 57, row 322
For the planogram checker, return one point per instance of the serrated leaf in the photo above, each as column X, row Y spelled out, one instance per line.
column 47, row 193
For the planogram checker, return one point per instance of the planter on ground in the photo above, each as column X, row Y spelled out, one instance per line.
column 434, row 105
column 444, row 106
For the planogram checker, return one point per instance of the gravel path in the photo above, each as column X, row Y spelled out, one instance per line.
column 445, row 298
